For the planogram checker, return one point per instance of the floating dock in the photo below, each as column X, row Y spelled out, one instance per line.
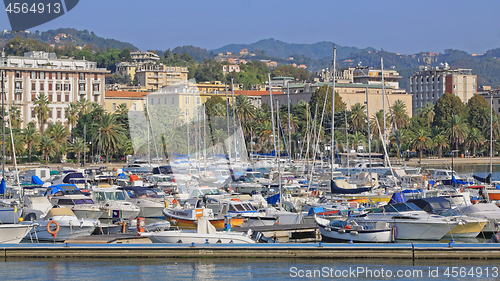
column 284, row 233
column 316, row 250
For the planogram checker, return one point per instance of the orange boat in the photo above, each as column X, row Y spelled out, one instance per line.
column 188, row 218
column 493, row 194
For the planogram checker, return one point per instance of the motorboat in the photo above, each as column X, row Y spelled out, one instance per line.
column 488, row 211
column 13, row 233
column 146, row 199
column 166, row 182
column 61, row 224
column 242, row 185
column 139, row 167
column 83, row 206
column 10, row 211
column 341, row 231
column 187, row 217
column 410, row 221
column 114, row 204
column 205, row 233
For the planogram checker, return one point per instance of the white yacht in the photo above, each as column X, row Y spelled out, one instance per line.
column 114, row 204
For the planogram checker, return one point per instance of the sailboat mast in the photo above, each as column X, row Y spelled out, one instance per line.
column 278, row 153
column 3, row 126
column 369, row 138
column 228, row 134
column 491, row 135
column 333, row 108
column 383, row 98
column 289, row 126
column 272, row 110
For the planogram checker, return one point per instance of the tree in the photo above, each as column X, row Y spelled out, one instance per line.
column 422, row 141
column 479, row 112
column 58, row 133
column 456, row 130
column 122, row 109
column 42, row 110
column 31, row 138
column 112, row 134
column 475, row 139
column 245, row 110
column 427, row 113
column 72, row 114
column 441, row 142
column 78, row 146
column 215, row 106
column 15, row 117
column 47, row 147
column 445, row 106
column 377, row 121
column 399, row 114
column 358, row 116
column 83, row 106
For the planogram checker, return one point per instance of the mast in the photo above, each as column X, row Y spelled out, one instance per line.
column 3, row 126
column 491, row 135
column 85, row 143
column 147, row 124
column 289, row 126
column 333, row 109
column 233, row 120
column 369, row 139
column 278, row 153
column 383, row 98
column 272, row 111
column 228, row 134
column 347, row 141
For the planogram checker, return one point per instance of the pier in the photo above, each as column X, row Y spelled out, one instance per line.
column 284, row 233
column 316, row 250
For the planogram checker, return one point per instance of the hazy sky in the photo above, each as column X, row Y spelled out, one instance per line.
column 398, row 26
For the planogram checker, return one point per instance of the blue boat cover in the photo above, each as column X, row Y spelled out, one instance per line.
column 397, row 197
column 2, row 187
column 338, row 190
column 316, row 210
column 121, row 176
column 412, row 191
column 273, row 199
column 36, row 180
column 64, row 188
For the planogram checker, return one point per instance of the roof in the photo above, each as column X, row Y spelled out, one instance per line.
column 61, row 211
column 255, row 93
column 125, row 94
column 348, row 85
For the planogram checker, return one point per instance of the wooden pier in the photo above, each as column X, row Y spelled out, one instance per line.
column 316, row 250
column 284, row 233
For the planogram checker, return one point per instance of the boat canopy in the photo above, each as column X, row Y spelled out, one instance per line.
column 435, row 205
column 397, row 197
column 336, row 189
column 63, row 189
column 61, row 211
column 36, row 180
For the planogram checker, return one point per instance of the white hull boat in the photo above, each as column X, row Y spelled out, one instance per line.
column 13, row 233
column 341, row 231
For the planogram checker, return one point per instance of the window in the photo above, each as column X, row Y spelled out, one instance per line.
column 42, row 75
column 165, row 100
column 95, row 76
column 58, row 87
column 18, row 74
column 96, row 87
column 33, row 97
column 33, row 74
column 59, row 113
column 58, row 97
column 66, row 97
column 96, row 98
column 50, row 86
column 33, row 86
column 474, row 80
column 33, row 113
column 67, row 75
column 134, row 107
column 19, row 85
column 82, row 76
column 82, row 87
column 50, row 75
column 114, row 107
column 66, row 87
column 42, row 86
column 50, row 96
column 18, row 96
column 455, row 79
column 59, row 76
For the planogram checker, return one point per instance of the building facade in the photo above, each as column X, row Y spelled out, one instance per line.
column 63, row 81
column 156, row 76
column 135, row 101
column 429, row 84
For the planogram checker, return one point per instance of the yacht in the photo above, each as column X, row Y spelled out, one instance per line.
column 114, row 204
column 145, row 198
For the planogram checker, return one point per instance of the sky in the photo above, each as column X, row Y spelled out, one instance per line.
column 398, row 26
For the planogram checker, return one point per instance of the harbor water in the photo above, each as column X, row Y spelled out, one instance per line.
column 247, row 269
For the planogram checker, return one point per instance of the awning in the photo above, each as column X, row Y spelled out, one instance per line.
column 16, row 61
column 67, row 63
column 79, row 64
column 29, row 62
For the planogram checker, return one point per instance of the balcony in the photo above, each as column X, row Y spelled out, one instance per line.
column 82, row 92
column 82, row 81
column 18, row 102
column 20, row 90
column 18, row 79
column 98, row 81
column 96, row 93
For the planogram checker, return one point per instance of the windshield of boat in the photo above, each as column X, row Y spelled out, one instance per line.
column 163, row 179
column 401, row 207
column 205, row 191
column 83, row 201
column 143, row 193
column 255, row 175
column 242, row 179
column 118, row 196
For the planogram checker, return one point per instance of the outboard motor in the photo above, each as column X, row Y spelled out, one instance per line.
column 30, row 217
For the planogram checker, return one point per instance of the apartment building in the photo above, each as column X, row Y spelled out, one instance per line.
column 135, row 101
column 63, row 81
column 156, row 76
column 430, row 83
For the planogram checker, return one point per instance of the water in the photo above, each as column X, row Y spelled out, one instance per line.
column 243, row 269
column 481, row 170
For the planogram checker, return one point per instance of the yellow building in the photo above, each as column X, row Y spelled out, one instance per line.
column 135, row 101
column 156, row 76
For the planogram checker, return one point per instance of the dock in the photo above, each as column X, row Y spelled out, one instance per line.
column 285, row 233
column 117, row 238
column 307, row 250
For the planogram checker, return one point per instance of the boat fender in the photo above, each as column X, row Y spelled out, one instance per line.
column 341, row 231
column 394, row 233
column 354, row 233
column 180, row 241
column 347, row 227
column 53, row 232
column 219, row 241
column 328, row 229
column 141, row 223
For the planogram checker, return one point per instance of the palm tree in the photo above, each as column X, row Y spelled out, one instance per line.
column 474, row 139
column 399, row 114
column 18, row 144
column 83, row 106
column 112, row 134
column 31, row 138
column 42, row 110
column 72, row 114
column 377, row 121
column 422, row 141
column 457, row 130
column 441, row 142
column 245, row 109
column 483, row 118
column 358, row 116
column 427, row 112
column 357, row 139
column 77, row 147
column 15, row 117
column 47, row 146
column 122, row 109
column 58, row 133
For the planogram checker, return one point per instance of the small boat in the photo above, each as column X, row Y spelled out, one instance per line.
column 341, row 231
column 114, row 204
column 188, row 218
column 13, row 233
column 205, row 233
column 147, row 199
column 61, row 224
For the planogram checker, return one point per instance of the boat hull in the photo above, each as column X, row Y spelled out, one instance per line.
column 469, row 230
column 373, row 236
column 188, row 237
column 13, row 233
column 184, row 223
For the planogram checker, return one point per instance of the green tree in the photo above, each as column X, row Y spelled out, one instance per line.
column 456, row 130
column 31, row 138
column 47, row 147
column 445, row 106
column 112, row 135
column 42, row 110
column 399, row 114
column 475, row 139
column 422, row 141
column 15, row 117
column 358, row 116
column 78, row 146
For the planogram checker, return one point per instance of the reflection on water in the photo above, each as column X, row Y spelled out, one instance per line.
column 218, row 269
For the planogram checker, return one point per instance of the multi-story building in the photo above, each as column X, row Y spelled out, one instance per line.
column 157, row 76
column 135, row 101
column 144, row 57
column 430, row 83
column 230, row 68
column 62, row 80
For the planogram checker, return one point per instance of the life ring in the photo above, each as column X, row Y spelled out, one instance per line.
column 235, row 199
column 55, row 231
column 289, row 181
column 314, row 193
column 211, row 174
column 462, row 189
